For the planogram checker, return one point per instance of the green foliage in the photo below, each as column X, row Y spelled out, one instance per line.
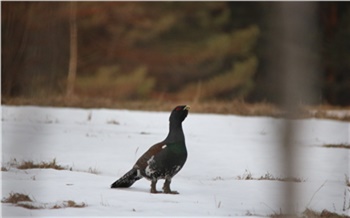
column 179, row 43
column 239, row 42
column 183, row 47
column 110, row 82
column 236, row 82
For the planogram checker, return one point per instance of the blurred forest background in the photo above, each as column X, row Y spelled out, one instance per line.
column 132, row 51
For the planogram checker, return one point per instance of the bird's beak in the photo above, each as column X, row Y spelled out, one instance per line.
column 187, row 107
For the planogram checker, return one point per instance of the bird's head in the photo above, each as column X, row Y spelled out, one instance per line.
column 179, row 113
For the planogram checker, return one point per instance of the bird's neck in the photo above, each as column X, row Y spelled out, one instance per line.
column 176, row 133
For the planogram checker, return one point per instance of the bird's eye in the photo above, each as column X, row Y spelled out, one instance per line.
column 178, row 108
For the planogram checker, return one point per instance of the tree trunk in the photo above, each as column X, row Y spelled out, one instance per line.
column 72, row 71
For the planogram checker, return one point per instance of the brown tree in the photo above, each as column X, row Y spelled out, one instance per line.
column 73, row 58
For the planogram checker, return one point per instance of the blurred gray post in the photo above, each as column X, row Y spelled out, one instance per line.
column 293, row 61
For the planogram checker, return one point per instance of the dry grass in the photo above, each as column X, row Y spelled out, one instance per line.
column 248, row 176
column 268, row 176
column 308, row 213
column 347, row 146
column 322, row 112
column 14, row 198
column 325, row 115
column 25, row 165
column 167, row 102
column 22, row 200
column 69, row 203
column 42, row 165
column 220, row 107
column 29, row 206
column 93, row 170
column 324, row 214
column 73, row 204
column 347, row 180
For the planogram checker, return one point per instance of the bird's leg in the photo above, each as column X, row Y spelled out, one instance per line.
column 166, row 187
column 153, row 187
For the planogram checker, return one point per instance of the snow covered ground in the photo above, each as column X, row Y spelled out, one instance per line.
column 221, row 149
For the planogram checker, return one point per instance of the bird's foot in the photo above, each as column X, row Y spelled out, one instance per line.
column 154, row 187
column 166, row 188
column 171, row 192
column 154, row 191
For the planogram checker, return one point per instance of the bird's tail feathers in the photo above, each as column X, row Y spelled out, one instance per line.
column 127, row 180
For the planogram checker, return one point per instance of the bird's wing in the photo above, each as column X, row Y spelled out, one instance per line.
column 142, row 162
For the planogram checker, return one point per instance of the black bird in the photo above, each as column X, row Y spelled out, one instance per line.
column 164, row 159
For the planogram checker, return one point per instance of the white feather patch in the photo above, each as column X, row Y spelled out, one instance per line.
column 148, row 170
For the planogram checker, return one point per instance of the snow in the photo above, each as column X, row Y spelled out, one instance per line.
column 221, row 148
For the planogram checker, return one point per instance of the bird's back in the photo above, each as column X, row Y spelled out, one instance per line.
column 162, row 160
